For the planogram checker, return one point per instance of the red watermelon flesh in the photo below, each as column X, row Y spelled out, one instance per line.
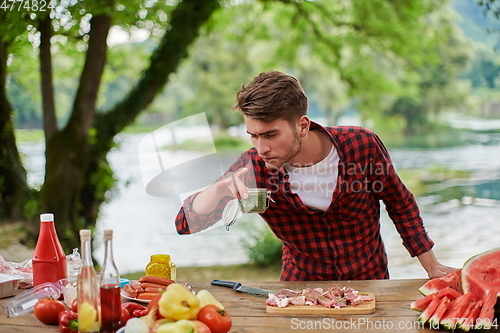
column 481, row 274
column 457, row 309
column 421, row 304
column 439, row 312
column 452, row 280
column 429, row 310
column 470, row 322
column 485, row 317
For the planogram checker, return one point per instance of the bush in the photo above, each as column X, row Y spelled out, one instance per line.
column 263, row 247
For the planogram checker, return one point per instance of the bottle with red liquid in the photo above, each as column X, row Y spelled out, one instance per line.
column 110, row 288
column 49, row 260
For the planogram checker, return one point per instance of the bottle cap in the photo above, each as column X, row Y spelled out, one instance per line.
column 108, row 234
column 85, row 234
column 48, row 217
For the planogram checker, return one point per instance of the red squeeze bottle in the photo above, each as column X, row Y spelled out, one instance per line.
column 49, row 261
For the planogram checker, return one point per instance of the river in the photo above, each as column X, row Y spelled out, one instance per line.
column 462, row 225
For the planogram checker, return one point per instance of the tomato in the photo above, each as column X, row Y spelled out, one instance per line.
column 201, row 327
column 215, row 318
column 125, row 316
column 74, row 305
column 47, row 309
column 153, row 303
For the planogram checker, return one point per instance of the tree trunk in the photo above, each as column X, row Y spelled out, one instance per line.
column 68, row 152
column 185, row 25
column 14, row 190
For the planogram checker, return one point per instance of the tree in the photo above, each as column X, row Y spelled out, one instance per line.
column 354, row 37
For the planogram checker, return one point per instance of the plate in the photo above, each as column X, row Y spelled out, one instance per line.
column 124, row 295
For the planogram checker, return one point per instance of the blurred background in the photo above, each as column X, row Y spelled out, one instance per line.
column 83, row 82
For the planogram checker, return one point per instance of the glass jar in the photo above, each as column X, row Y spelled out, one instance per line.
column 161, row 266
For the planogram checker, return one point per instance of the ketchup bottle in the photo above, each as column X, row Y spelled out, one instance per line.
column 49, row 261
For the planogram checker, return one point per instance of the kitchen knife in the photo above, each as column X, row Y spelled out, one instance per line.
column 243, row 289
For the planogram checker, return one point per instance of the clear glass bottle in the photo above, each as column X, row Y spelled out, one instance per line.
column 49, row 260
column 161, row 266
column 88, row 288
column 109, row 282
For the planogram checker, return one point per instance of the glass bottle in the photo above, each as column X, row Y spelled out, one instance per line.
column 109, row 282
column 161, row 266
column 49, row 262
column 88, row 289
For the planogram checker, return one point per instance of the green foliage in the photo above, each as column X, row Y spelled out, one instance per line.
column 263, row 247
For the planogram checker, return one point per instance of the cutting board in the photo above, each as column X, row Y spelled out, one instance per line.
column 365, row 307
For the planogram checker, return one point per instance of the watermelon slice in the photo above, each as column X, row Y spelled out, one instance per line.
column 435, row 319
column 456, row 310
column 485, row 318
column 469, row 323
column 429, row 310
column 421, row 304
column 452, row 280
column 481, row 274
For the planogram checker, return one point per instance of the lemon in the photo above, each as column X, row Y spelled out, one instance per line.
column 87, row 318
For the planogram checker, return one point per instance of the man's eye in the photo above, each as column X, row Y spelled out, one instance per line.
column 269, row 136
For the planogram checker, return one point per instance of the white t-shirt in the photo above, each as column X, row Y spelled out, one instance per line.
column 315, row 184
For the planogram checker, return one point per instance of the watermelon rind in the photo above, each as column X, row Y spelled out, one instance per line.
column 471, row 285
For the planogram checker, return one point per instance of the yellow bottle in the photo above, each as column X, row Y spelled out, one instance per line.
column 161, row 266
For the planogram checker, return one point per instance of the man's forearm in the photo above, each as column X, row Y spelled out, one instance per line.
column 205, row 202
column 432, row 266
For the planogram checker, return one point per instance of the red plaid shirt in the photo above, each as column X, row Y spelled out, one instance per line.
column 343, row 243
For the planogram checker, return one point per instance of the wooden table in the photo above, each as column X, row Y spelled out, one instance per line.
column 392, row 314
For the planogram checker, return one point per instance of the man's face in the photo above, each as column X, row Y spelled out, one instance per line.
column 277, row 142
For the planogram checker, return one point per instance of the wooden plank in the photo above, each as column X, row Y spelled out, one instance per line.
column 366, row 307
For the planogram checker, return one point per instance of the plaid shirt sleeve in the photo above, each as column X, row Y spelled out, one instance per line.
column 401, row 205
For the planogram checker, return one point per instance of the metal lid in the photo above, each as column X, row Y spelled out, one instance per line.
column 231, row 213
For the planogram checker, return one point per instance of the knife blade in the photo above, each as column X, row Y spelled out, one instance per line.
column 243, row 289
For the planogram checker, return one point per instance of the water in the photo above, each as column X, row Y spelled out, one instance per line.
column 461, row 226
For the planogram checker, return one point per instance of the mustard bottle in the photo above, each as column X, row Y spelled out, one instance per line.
column 161, row 266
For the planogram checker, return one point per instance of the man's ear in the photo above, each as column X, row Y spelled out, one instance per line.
column 303, row 124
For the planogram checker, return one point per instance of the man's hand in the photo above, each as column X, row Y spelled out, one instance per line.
column 439, row 271
column 433, row 268
column 207, row 200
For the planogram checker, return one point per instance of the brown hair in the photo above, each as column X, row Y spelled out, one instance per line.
column 272, row 95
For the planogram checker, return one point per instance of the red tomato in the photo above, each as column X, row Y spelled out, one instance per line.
column 153, row 303
column 216, row 319
column 74, row 305
column 125, row 316
column 47, row 309
column 201, row 327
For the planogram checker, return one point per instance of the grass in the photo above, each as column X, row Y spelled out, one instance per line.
column 241, row 272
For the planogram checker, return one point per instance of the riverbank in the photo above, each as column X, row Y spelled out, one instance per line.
column 12, row 250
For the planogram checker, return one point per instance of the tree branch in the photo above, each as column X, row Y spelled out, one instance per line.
column 185, row 24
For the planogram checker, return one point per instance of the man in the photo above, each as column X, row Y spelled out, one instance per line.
column 326, row 184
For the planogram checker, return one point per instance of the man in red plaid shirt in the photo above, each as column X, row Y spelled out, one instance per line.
column 326, row 184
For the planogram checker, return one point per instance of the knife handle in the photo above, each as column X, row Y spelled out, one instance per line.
column 227, row 284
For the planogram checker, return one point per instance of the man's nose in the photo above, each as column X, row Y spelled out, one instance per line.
column 262, row 147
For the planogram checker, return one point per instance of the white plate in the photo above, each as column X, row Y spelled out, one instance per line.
column 124, row 295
